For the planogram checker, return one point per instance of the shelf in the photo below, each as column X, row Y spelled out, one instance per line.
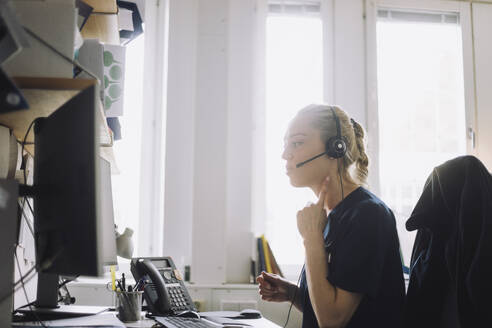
column 46, row 95
column 103, row 6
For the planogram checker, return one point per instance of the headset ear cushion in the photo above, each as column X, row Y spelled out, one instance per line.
column 336, row 147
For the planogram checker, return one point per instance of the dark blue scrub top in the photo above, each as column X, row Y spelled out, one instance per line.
column 362, row 247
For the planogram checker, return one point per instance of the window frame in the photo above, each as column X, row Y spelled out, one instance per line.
column 371, row 10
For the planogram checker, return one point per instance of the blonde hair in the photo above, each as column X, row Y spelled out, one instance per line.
column 351, row 131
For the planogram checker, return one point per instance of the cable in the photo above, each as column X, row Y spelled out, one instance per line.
column 22, row 149
column 29, row 205
column 294, row 298
column 23, row 278
column 27, row 220
column 67, row 299
column 44, row 266
column 24, row 306
column 66, row 281
column 29, row 225
column 25, row 293
column 26, row 278
column 340, row 176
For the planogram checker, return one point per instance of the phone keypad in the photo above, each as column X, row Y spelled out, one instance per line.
column 178, row 299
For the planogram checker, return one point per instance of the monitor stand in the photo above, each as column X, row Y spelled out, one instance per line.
column 47, row 293
column 61, row 312
column 47, row 307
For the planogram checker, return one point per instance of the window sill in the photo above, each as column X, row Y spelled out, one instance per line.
column 103, row 281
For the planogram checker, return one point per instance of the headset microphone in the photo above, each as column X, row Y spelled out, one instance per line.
column 309, row 160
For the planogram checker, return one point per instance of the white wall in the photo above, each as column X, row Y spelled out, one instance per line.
column 240, row 103
column 210, row 167
column 482, row 26
column 178, row 203
column 349, row 58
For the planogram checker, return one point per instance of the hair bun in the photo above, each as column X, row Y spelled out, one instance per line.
column 359, row 132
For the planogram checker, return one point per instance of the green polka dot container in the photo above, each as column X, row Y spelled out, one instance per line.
column 114, row 78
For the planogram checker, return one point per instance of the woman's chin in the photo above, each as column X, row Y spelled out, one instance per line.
column 296, row 183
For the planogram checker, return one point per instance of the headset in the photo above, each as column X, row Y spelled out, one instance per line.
column 335, row 147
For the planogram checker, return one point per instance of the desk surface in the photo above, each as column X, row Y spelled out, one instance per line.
column 258, row 323
column 109, row 319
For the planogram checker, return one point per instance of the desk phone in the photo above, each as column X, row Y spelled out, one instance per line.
column 165, row 292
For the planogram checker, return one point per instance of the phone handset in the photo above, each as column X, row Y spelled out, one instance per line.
column 155, row 292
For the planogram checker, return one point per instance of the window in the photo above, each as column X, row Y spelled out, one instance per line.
column 294, row 78
column 126, row 184
column 421, row 105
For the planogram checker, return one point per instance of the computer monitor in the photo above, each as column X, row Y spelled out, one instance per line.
column 67, row 203
column 73, row 214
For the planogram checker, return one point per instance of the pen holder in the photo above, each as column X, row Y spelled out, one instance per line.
column 129, row 305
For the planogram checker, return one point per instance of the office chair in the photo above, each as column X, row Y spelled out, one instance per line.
column 451, row 266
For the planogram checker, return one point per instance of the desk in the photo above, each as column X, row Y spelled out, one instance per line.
column 109, row 319
column 255, row 323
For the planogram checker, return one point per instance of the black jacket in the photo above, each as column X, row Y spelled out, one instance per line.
column 451, row 267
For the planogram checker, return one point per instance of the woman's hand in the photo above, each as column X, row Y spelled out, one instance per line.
column 274, row 288
column 311, row 220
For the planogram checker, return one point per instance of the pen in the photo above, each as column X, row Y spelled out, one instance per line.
column 113, row 285
column 142, row 286
column 123, row 281
column 138, row 284
column 119, row 285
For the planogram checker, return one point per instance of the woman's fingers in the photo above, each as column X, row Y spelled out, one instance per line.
column 269, row 295
column 268, row 288
column 269, row 277
column 265, row 285
column 266, row 280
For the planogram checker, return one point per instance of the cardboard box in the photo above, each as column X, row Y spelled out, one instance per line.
column 53, row 21
column 103, row 6
column 103, row 27
column 91, row 58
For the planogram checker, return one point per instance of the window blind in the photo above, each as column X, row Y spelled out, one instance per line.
column 415, row 16
column 294, row 7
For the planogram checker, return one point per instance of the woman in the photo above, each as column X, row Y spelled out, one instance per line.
column 352, row 275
